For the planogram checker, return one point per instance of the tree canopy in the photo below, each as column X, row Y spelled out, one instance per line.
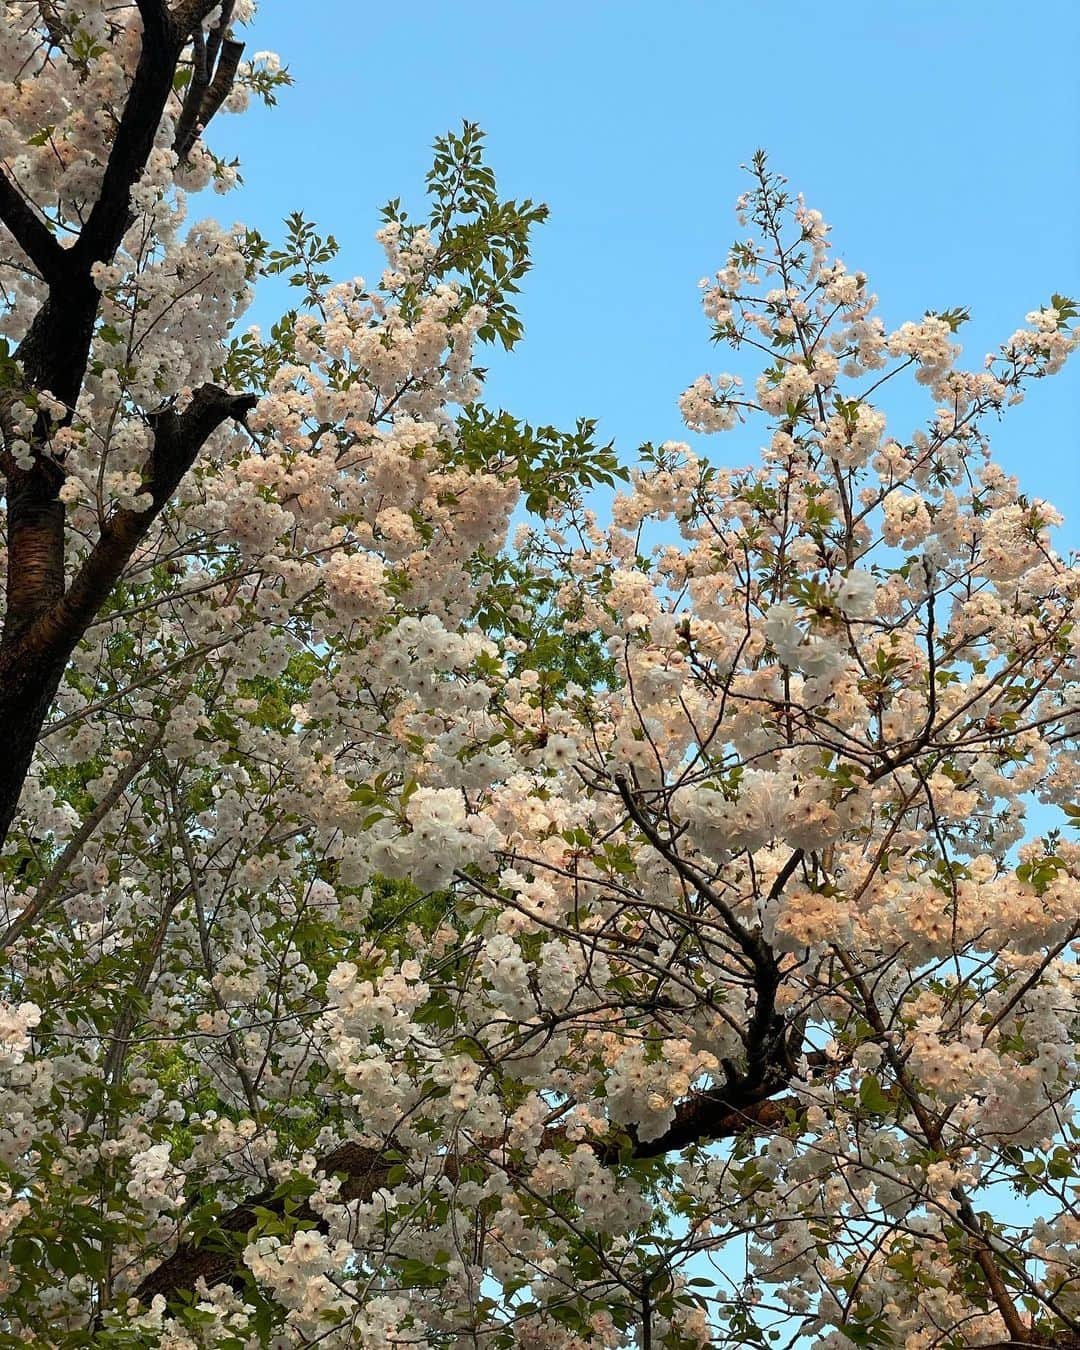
column 440, row 910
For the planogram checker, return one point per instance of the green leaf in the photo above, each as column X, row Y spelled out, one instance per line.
column 872, row 1096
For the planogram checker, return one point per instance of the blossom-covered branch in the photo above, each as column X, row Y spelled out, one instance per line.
column 636, row 931
column 44, row 384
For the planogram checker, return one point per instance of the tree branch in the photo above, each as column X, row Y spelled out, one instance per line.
column 363, row 1172
column 46, row 892
column 765, row 1033
column 190, row 13
column 33, row 654
column 222, row 83
column 209, row 87
column 709, row 1116
column 703, row 1118
column 150, row 89
column 31, row 233
column 178, row 438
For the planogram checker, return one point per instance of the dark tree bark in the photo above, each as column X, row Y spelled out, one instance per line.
column 47, row 612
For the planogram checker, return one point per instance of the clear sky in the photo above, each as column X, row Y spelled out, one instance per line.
column 941, row 138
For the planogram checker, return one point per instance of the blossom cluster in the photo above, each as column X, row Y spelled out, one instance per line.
column 412, row 937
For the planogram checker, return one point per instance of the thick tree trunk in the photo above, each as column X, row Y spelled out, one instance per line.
column 26, row 695
column 46, row 613
column 46, row 622
column 35, row 579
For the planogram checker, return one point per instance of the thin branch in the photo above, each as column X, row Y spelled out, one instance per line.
column 46, row 892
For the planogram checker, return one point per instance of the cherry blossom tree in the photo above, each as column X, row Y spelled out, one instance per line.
column 630, row 933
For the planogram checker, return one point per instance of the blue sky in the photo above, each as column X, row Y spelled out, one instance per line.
column 940, row 137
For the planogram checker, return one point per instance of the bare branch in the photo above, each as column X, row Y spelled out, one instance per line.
column 222, row 83
column 214, row 66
